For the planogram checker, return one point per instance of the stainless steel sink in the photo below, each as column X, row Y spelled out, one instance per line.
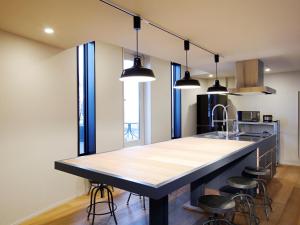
column 219, row 135
column 261, row 135
column 233, row 135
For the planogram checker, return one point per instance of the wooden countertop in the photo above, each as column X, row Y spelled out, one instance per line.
column 160, row 162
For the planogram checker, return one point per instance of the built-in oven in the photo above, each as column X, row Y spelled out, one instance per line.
column 248, row 116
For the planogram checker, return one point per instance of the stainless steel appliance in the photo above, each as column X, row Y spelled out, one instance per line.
column 267, row 118
column 250, row 78
column 248, row 116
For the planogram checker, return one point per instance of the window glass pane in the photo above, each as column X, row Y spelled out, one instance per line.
column 131, row 108
column 176, row 101
column 90, row 117
column 81, row 97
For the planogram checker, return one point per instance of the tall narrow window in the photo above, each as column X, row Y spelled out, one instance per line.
column 133, row 126
column 86, row 99
column 176, row 101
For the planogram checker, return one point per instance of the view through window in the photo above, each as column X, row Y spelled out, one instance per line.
column 131, row 108
column 81, row 98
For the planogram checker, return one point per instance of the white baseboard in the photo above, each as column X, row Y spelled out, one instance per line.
column 288, row 163
column 52, row 206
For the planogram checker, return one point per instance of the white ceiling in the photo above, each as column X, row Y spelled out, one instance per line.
column 238, row 30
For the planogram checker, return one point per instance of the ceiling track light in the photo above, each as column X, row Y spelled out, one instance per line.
column 186, row 82
column 155, row 25
column 217, row 88
column 137, row 72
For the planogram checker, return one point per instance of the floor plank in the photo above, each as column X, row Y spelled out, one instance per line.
column 291, row 212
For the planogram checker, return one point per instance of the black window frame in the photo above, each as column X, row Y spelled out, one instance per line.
column 89, row 92
column 176, row 129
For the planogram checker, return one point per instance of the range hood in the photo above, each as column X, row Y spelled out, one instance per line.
column 250, row 78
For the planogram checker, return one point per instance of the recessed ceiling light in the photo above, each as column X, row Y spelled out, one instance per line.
column 210, row 75
column 267, row 69
column 48, row 30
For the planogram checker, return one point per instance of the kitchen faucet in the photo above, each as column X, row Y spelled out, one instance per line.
column 225, row 120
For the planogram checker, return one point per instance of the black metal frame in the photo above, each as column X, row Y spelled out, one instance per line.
column 164, row 188
column 158, row 194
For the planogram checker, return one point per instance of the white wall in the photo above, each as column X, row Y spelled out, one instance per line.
column 38, row 119
column 160, row 100
column 38, row 125
column 109, row 97
column 283, row 106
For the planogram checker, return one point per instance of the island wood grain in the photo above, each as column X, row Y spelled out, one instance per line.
column 161, row 162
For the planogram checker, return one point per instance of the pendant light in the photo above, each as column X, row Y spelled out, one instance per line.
column 187, row 82
column 217, row 88
column 137, row 72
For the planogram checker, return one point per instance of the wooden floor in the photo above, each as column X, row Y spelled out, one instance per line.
column 284, row 190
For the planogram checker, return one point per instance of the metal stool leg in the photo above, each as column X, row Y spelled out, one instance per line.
column 102, row 193
column 216, row 221
column 248, row 206
column 91, row 201
column 267, row 203
column 90, row 188
column 129, row 198
column 109, row 201
column 94, row 205
column 109, row 193
column 230, row 216
column 144, row 202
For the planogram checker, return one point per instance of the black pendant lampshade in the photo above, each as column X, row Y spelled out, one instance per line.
column 187, row 82
column 217, row 88
column 137, row 73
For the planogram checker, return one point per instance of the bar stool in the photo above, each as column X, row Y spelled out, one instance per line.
column 260, row 174
column 245, row 203
column 144, row 202
column 95, row 184
column 219, row 207
column 91, row 209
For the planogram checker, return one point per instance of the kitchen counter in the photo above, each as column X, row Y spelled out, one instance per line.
column 158, row 169
column 159, row 163
column 263, row 155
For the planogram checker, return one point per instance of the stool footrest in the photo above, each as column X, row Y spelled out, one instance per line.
column 101, row 214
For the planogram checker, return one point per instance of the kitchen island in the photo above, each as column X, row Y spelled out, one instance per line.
column 158, row 169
